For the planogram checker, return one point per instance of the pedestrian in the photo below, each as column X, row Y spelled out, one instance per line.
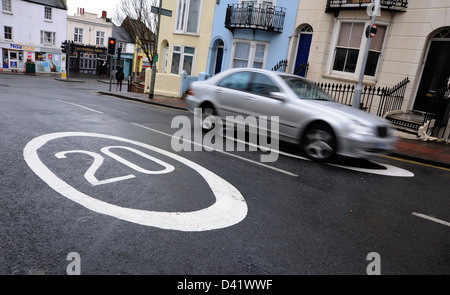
column 119, row 79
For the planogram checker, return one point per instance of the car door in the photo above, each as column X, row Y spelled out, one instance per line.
column 230, row 94
column 261, row 101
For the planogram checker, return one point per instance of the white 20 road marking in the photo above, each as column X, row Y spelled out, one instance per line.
column 230, row 207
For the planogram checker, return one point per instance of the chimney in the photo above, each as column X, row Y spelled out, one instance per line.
column 103, row 14
column 80, row 10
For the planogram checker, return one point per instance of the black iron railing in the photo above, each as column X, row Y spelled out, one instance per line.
column 255, row 17
column 438, row 111
column 390, row 98
column 389, row 5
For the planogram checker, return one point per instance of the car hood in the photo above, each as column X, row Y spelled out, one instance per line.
column 348, row 112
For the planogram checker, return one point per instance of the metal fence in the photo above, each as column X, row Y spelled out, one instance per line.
column 438, row 109
column 389, row 98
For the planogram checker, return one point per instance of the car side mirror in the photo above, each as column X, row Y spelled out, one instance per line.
column 278, row 96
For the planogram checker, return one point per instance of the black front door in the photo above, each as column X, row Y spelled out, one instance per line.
column 435, row 74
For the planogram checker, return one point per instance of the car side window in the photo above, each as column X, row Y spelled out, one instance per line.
column 238, row 81
column 263, row 85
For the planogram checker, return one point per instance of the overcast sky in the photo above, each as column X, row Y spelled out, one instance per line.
column 94, row 6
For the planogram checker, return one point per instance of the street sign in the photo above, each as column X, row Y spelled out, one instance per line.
column 371, row 31
column 165, row 12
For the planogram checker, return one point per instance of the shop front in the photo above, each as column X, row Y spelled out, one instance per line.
column 87, row 60
column 15, row 57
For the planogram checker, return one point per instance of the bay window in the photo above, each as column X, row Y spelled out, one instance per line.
column 249, row 54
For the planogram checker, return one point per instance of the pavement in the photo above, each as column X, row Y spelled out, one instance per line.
column 408, row 148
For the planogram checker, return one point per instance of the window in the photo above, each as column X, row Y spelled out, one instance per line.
column 263, row 85
column 47, row 13
column 100, row 38
column 78, row 35
column 238, row 81
column 349, row 45
column 88, row 61
column 188, row 16
column 347, row 48
column 182, row 59
column 8, row 33
column 6, row 5
column 48, row 38
column 249, row 54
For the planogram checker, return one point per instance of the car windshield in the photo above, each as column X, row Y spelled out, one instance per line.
column 305, row 89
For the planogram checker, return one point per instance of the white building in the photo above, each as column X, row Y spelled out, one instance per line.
column 34, row 31
column 90, row 34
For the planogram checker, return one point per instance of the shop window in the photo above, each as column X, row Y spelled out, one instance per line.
column 8, row 35
column 183, row 59
column 47, row 13
column 100, row 38
column 48, row 38
column 188, row 16
column 6, row 6
column 78, row 35
column 88, row 61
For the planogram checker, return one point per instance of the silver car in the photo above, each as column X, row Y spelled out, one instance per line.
column 307, row 116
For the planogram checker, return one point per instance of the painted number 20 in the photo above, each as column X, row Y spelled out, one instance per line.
column 98, row 161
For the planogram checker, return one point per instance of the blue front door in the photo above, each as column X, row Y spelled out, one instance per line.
column 301, row 62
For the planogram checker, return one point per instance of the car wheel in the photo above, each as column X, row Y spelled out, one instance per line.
column 319, row 142
column 209, row 117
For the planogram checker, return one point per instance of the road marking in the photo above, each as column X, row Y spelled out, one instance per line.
column 220, row 151
column 80, row 106
column 229, row 208
column 417, row 163
column 389, row 171
column 431, row 218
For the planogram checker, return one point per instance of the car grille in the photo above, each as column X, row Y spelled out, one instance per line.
column 382, row 131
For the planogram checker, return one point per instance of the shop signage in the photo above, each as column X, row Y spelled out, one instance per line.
column 21, row 47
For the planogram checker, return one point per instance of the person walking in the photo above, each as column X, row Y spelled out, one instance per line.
column 119, row 79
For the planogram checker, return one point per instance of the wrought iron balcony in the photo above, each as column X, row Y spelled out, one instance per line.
column 255, row 17
column 388, row 5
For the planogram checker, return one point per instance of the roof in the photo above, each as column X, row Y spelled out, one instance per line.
column 60, row 4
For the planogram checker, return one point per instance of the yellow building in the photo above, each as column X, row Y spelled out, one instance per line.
column 183, row 43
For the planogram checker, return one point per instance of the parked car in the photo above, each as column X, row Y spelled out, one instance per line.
column 307, row 116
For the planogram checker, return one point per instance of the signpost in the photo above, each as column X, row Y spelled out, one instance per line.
column 160, row 11
column 370, row 34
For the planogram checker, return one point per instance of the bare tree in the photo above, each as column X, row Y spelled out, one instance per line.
column 138, row 24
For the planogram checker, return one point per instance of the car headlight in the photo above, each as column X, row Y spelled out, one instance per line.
column 360, row 129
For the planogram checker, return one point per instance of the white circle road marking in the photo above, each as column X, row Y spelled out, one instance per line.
column 229, row 208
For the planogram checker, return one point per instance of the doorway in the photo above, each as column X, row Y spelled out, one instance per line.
column 219, row 58
column 13, row 59
column 436, row 72
column 304, row 46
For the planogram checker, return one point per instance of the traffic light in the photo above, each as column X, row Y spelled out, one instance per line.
column 119, row 53
column 72, row 47
column 111, row 46
column 64, row 46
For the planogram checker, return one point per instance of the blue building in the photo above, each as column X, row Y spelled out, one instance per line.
column 253, row 34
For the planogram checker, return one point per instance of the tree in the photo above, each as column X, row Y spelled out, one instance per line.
column 139, row 24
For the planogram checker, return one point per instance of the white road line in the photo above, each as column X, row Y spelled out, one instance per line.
column 223, row 152
column 431, row 218
column 80, row 106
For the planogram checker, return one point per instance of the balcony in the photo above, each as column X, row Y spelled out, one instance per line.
column 257, row 17
column 388, row 5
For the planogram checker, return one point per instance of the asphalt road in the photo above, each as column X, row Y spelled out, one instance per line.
column 97, row 176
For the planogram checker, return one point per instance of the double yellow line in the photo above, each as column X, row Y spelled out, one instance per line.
column 417, row 163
